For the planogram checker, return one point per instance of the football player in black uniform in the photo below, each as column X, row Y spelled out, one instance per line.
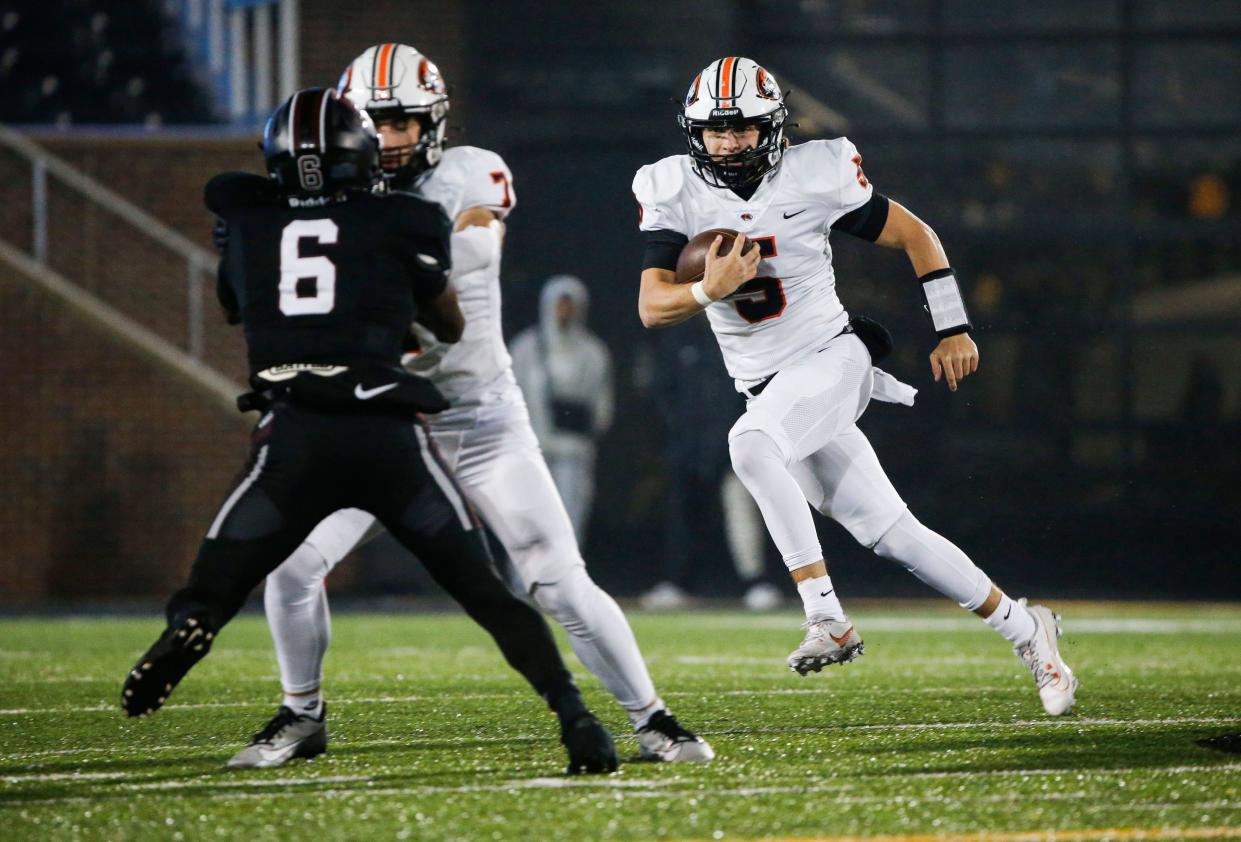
column 325, row 278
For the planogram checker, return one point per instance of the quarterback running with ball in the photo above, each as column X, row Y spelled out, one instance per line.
column 805, row 368
column 485, row 438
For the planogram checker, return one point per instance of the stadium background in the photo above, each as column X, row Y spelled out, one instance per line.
column 1081, row 162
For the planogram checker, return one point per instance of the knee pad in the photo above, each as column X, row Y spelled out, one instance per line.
column 299, row 575
column 549, row 559
column 753, row 450
column 757, row 420
column 565, row 599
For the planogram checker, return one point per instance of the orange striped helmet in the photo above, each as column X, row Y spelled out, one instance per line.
column 395, row 79
column 734, row 92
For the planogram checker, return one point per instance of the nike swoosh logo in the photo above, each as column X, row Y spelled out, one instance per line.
column 366, row 394
column 1009, row 611
column 840, row 641
column 277, row 753
column 794, row 213
column 825, row 593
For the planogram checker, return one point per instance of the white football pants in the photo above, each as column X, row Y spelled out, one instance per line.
column 798, row 443
column 501, row 471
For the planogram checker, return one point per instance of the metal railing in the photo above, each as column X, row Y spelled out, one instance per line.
column 43, row 164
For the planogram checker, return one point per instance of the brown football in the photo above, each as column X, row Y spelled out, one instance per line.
column 693, row 260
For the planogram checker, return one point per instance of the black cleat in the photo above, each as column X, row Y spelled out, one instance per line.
column 590, row 746
column 151, row 681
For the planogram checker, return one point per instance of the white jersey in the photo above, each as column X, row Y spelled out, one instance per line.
column 477, row 369
column 790, row 308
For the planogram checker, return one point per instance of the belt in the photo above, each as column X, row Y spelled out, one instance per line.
column 757, row 389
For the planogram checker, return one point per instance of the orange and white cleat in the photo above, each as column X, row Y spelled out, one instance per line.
column 1057, row 686
column 826, row 642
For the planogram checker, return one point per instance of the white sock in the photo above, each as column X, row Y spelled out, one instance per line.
column 818, row 596
column 306, row 704
column 1011, row 619
column 641, row 716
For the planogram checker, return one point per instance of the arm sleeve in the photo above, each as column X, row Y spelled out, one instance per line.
column 488, row 183
column 663, row 247
column 475, row 247
column 867, row 221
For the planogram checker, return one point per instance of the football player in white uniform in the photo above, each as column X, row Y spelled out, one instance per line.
column 804, row 366
column 485, row 439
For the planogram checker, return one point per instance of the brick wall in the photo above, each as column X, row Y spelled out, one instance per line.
column 333, row 35
column 113, row 466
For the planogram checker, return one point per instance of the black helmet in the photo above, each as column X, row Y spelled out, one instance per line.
column 318, row 144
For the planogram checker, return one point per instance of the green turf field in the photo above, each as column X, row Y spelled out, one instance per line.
column 937, row 730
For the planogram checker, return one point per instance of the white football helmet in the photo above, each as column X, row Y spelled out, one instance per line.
column 734, row 92
column 390, row 79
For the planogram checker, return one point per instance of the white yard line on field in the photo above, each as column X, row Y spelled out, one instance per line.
column 196, row 750
column 1083, row 625
column 244, row 788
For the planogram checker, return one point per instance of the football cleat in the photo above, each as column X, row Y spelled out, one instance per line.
column 1057, row 686
column 590, row 746
column 287, row 736
column 151, row 681
column 664, row 739
column 826, row 642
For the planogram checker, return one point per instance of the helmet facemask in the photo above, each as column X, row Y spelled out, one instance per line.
column 741, row 168
column 402, row 164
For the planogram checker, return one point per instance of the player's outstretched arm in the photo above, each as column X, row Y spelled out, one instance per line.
column 442, row 315
column 955, row 357
column 662, row 302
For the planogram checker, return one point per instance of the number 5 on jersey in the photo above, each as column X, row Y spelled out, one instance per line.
column 760, row 299
column 307, row 284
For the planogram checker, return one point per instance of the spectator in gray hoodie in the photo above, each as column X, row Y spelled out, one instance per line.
column 565, row 372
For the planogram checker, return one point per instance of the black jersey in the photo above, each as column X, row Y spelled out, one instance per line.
column 328, row 284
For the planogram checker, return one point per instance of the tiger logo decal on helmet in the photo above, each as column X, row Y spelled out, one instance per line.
column 691, row 96
column 734, row 92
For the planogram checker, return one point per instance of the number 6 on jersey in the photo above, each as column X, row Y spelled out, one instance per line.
column 307, row 284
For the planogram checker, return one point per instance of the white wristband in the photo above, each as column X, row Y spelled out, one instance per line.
column 700, row 294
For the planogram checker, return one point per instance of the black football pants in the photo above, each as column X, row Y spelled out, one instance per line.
column 306, row 464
